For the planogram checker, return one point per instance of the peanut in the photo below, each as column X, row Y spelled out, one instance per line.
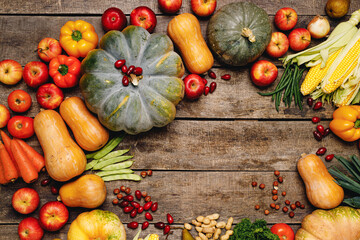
column 197, row 238
column 213, row 223
column 200, row 219
column 202, row 236
column 229, row 223
column 196, row 223
column 214, row 216
column 206, row 221
column 221, row 224
column 217, row 234
column 206, row 225
column 199, row 229
column 208, row 230
column 187, row 226
column 224, row 237
column 229, row 232
column 208, row 235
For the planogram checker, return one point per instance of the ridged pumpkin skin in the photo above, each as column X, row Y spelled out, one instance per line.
column 87, row 130
column 97, row 224
column 224, row 33
column 89, row 191
column 133, row 109
column 341, row 223
column 321, row 189
column 184, row 30
column 64, row 159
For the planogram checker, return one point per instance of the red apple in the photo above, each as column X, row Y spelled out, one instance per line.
column 144, row 17
column 113, row 19
column 299, row 39
column 10, row 72
column 29, row 229
column 286, row 18
column 263, row 73
column 194, row 86
column 49, row 96
column 203, row 8
column 48, row 49
column 35, row 73
column 170, row 6
column 19, row 101
column 4, row 116
column 25, row 200
column 278, row 46
column 53, row 216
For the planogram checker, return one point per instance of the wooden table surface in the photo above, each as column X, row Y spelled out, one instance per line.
column 205, row 160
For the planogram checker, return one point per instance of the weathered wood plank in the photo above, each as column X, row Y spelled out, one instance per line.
column 193, row 194
column 98, row 7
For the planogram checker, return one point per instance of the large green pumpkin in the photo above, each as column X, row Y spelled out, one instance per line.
column 238, row 33
column 141, row 105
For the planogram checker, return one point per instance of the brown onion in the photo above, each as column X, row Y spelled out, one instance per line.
column 318, row 27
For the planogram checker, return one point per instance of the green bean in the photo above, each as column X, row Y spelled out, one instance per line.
column 107, row 148
column 118, row 166
column 107, row 162
column 114, row 172
column 114, row 154
column 132, row 177
column 91, row 164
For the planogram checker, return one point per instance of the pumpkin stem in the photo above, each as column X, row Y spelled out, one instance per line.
column 135, row 79
column 246, row 32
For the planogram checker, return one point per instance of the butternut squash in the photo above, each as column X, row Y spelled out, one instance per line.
column 87, row 130
column 64, row 159
column 89, row 191
column 184, row 30
column 321, row 189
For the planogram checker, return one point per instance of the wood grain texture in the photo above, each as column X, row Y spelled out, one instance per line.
column 98, row 7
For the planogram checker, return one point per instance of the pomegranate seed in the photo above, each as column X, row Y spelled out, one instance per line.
column 277, row 207
column 147, row 206
column 275, row 197
column 275, row 183
column 138, row 195
column 45, row 182
column 257, row 207
column 206, row 90
column 145, row 225
column 127, row 191
column 125, row 81
column 128, row 209
column 254, row 184
column 140, row 209
column 317, row 135
column 124, row 204
column 287, row 202
column 262, row 186
column 293, row 206
column 149, row 172
column 129, row 198
column 317, row 105
column 315, row 119
column 226, row 77
column 124, row 69
column 160, row 225
column 285, row 209
column 135, row 204
column 115, row 201
column 130, row 69
column 297, row 204
column 148, row 216
column 291, row 214
column 133, row 225
column 119, row 196
column 143, row 174
column 302, row 206
column 143, row 194
column 116, row 191
column 54, row 190
column 205, row 81
column 320, row 129
column 272, row 205
column 169, row 218
column 280, row 179
column 277, row 173
column 283, row 193
column 133, row 213
column 122, row 188
column 212, row 87
column 119, row 63
column 266, row 212
column 321, row 151
column 274, row 192
column 329, row 157
column 310, row 102
column 147, row 199
column 137, row 71
column 166, row 229
column 327, row 131
column 154, row 207
column 212, row 74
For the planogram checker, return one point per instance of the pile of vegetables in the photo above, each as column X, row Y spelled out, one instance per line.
column 252, row 231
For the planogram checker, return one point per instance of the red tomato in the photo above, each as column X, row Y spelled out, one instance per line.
column 19, row 101
column 21, row 127
column 284, row 231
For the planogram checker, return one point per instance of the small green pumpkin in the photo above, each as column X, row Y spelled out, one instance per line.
column 238, row 33
column 149, row 100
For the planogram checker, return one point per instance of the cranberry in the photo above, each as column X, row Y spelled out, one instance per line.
column 149, row 172
column 143, row 174
column 140, row 209
column 310, row 102
column 119, row 196
column 128, row 190
column 317, row 135
column 115, row 201
column 122, row 188
column 280, row 179
column 130, row 69
column 124, row 69
column 266, row 212
column 320, row 129
column 226, row 77
column 206, row 90
column 321, row 151
column 293, row 206
column 291, row 214
column 275, row 197
column 297, row 204
column 212, row 74
column 327, row 131
column 138, row 195
column 277, row 173
column 45, row 182
column 133, row 213
column 317, row 105
column 147, row 199
column 285, row 209
column 148, row 216
column 302, row 206
column 315, row 119
column 116, row 191
column 166, row 229
column 287, row 202
column 254, row 184
column 262, row 186
column 144, row 194
column 170, row 219
column 277, row 207
column 154, row 207
column 272, row 205
column 135, row 204
column 274, row 192
column 283, row 193
column 128, row 209
column 329, row 157
column 129, row 198
column 275, row 183
column 133, row 225
column 54, row 190
column 145, row 225
column 119, row 63
column 160, row 225
column 147, row 206
column 124, row 204
column 205, row 81
column 212, row 87
column 257, row 207
column 138, row 71
column 125, row 81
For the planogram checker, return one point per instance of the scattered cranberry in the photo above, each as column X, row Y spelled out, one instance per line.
column 147, row 206
column 254, row 184
column 127, row 191
column 140, row 209
column 206, row 90
column 277, row 173
column 160, row 225
column 275, row 183
column 169, row 218
column 310, row 102
column 143, row 194
column 293, row 206
column 317, row 105
column 133, row 213
column 212, row 87
column 148, row 216
column 321, row 151
column 119, row 63
column 137, row 71
column 122, row 188
column 326, row 131
column 262, row 186
column 145, row 225
column 315, row 119
column 124, row 204
column 287, row 202
column 115, row 201
column 205, row 81
column 154, row 207
column 54, row 190
column 275, row 197
column 116, row 191
column 302, row 206
column 266, row 212
column 129, row 198
column 274, row 192
column 138, row 195
column 212, row 74
column 119, row 196
column 317, row 135
column 285, row 209
column 128, row 209
column 133, row 225
column 143, row 174
column 320, row 129
column 45, row 182
column 272, row 205
column 291, row 214
column 329, row 157
column 135, row 204
column 297, row 204
column 149, row 172
column 257, row 207
column 280, row 179
column 166, row 229
column 283, row 193
column 130, row 69
column 226, row 77
column 277, row 207
column 147, row 199
column 125, row 81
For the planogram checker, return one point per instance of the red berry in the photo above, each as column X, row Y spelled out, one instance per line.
column 315, row 119
column 154, row 207
column 291, row 214
column 119, row 63
column 317, row 135
column 149, row 172
column 206, row 90
column 138, row 71
column 140, row 209
column 329, row 157
column 145, row 225
column 133, row 213
column 317, row 105
column 124, row 68
column 124, row 204
column 226, row 77
column 170, row 219
column 54, row 190
column 166, row 229
column 125, row 81
column 130, row 69
column 138, row 195
column 135, row 204
column 212, row 87
column 45, row 182
column 147, row 206
column 128, row 209
column 205, row 81
column 129, row 198
column 212, row 74
column 310, row 102
column 160, row 225
column 327, row 131
column 320, row 129
column 133, row 225
column 148, row 216
column 321, row 151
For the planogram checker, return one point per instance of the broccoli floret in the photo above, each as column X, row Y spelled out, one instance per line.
column 245, row 230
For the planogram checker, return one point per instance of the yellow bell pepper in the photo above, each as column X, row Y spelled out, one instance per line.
column 78, row 38
column 346, row 123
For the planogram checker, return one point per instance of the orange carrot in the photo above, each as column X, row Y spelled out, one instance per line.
column 6, row 140
column 37, row 160
column 2, row 178
column 10, row 172
column 27, row 169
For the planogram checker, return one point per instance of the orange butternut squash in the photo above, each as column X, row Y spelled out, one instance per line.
column 89, row 191
column 64, row 159
column 87, row 130
column 321, row 189
column 184, row 30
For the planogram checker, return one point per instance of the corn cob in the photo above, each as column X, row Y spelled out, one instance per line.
column 316, row 74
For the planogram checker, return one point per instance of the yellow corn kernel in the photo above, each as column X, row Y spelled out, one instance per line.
column 316, row 74
column 154, row 237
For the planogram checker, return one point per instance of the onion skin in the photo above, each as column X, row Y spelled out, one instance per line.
column 318, row 27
